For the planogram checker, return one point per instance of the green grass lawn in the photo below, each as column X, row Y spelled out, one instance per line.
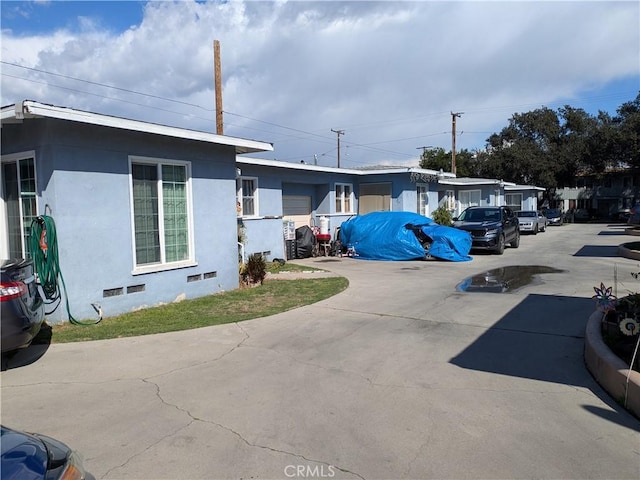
column 272, row 297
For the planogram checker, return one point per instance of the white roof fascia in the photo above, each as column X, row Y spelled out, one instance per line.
column 452, row 180
column 524, row 187
column 293, row 166
column 30, row 108
column 9, row 114
column 319, row 168
column 475, row 181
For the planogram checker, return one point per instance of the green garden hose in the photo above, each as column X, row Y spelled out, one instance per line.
column 43, row 246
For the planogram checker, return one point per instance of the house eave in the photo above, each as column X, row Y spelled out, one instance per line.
column 31, row 109
column 461, row 182
column 523, row 187
column 319, row 168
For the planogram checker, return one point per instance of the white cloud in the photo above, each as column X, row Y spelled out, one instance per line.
column 382, row 71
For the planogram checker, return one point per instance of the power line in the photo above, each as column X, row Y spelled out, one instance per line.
column 276, row 125
column 327, row 139
column 99, row 96
column 98, row 84
column 140, row 93
column 315, row 137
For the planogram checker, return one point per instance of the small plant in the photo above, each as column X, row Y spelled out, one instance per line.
column 620, row 322
column 254, row 271
column 442, row 216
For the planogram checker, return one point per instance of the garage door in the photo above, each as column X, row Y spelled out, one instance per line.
column 374, row 197
column 297, row 208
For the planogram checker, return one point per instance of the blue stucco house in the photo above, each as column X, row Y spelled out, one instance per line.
column 270, row 192
column 144, row 213
column 149, row 214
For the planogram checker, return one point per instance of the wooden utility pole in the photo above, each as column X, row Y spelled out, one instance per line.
column 217, row 74
column 338, row 132
column 423, row 157
column 453, row 140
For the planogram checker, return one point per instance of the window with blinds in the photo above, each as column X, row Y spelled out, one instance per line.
column 160, row 212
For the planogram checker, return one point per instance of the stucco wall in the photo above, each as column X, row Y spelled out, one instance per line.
column 529, row 201
column 264, row 233
column 83, row 177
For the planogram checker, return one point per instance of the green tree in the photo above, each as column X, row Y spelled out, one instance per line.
column 573, row 147
column 440, row 159
column 435, row 159
column 629, row 120
column 524, row 151
column 549, row 149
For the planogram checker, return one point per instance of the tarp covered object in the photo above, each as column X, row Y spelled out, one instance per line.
column 394, row 236
column 305, row 240
column 448, row 243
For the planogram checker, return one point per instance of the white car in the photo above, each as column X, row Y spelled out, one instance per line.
column 532, row 221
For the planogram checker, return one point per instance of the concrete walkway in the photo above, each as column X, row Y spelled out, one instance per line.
column 400, row 376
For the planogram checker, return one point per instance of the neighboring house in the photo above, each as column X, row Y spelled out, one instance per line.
column 149, row 214
column 471, row 192
column 522, row 197
column 603, row 195
column 144, row 213
column 270, row 192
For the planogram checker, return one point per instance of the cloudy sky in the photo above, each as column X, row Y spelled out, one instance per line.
column 388, row 74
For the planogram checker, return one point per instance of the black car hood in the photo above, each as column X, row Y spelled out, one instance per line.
column 476, row 225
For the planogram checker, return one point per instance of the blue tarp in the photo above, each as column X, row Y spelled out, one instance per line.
column 394, row 236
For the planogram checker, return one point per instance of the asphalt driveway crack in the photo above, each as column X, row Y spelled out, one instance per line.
column 149, row 447
column 210, row 360
column 228, row 429
column 284, row 452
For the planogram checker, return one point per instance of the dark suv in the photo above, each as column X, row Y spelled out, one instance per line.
column 491, row 228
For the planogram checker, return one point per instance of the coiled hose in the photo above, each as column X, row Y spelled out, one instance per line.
column 43, row 246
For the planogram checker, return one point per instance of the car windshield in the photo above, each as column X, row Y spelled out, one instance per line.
column 552, row 213
column 480, row 215
column 526, row 214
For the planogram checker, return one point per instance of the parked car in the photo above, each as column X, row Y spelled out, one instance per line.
column 31, row 456
column 531, row 221
column 21, row 306
column 583, row 215
column 491, row 228
column 554, row 216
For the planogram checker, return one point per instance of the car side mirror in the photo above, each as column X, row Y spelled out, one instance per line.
column 455, row 219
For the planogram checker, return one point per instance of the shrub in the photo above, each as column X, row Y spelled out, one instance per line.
column 442, row 216
column 254, row 271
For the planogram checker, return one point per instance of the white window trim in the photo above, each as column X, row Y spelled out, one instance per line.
column 511, row 205
column 4, row 233
column 450, row 200
column 342, row 197
column 163, row 265
column 425, row 187
column 469, row 192
column 239, row 196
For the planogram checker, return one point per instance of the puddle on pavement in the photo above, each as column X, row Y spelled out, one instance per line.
column 505, row 279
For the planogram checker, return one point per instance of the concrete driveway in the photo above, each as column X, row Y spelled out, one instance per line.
column 400, row 376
